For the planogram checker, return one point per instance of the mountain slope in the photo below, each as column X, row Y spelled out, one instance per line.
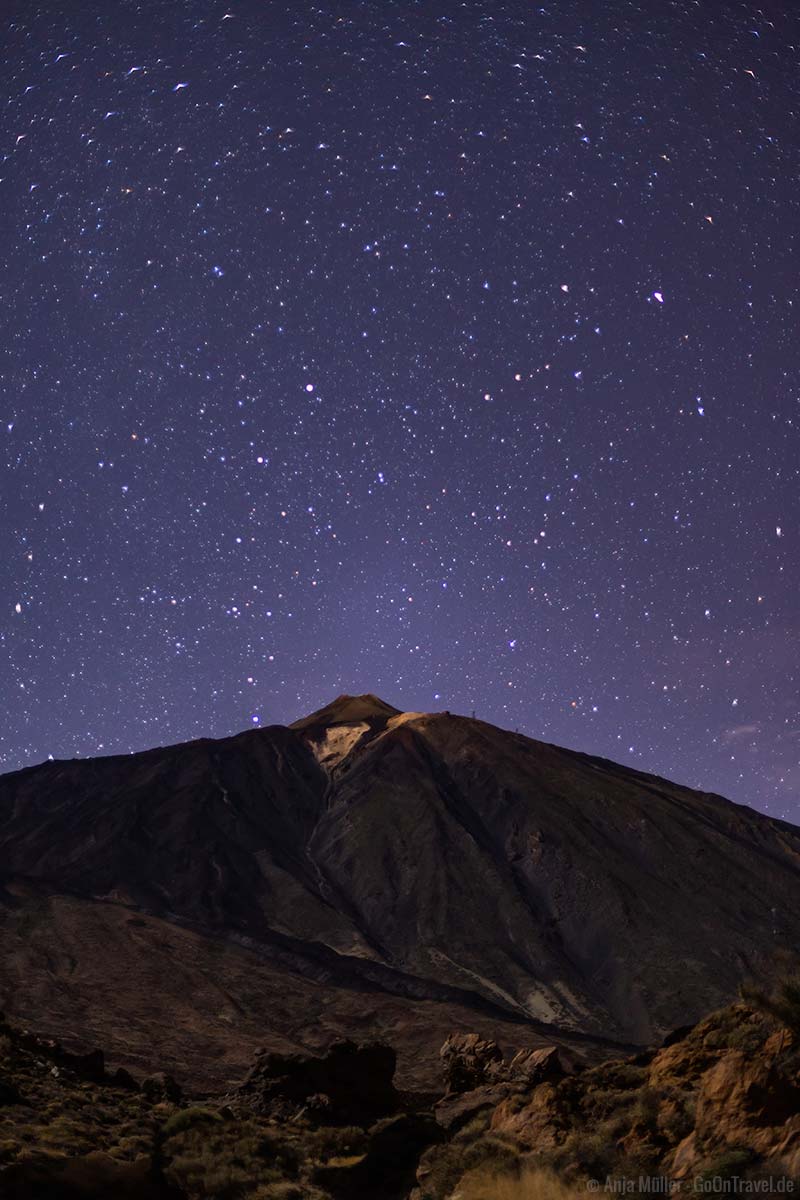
column 411, row 858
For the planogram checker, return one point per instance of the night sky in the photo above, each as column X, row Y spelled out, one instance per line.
column 447, row 351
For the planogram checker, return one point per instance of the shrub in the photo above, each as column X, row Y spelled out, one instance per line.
column 488, row 1156
column 730, row 1162
column 606, row 1102
column 187, row 1118
column 218, row 1160
column 528, row 1185
column 475, row 1127
column 750, row 1036
column 677, row 1116
column 781, row 1001
column 647, row 1106
column 340, row 1141
column 592, row 1153
column 616, row 1075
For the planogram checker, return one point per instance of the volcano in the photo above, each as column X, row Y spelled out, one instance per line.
column 367, row 872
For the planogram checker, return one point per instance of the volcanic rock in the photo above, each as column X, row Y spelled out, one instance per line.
column 468, row 1060
column 351, row 1083
column 459, row 1108
column 530, row 1067
column 9, row 1093
column 388, row 1167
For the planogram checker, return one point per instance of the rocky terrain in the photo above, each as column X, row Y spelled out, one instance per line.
column 371, row 874
column 715, row 1101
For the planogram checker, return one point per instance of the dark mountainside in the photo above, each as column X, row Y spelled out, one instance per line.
column 373, row 874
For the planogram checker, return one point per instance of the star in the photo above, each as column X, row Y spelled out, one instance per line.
column 335, row 350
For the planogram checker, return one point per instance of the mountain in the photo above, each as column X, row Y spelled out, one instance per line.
column 369, row 872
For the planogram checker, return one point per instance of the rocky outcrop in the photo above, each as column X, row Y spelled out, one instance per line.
column 65, row 1137
column 468, row 1060
column 90, row 1065
column 750, row 1103
column 477, row 1078
column 349, row 1084
column 721, row 1097
column 529, row 1067
column 388, row 1166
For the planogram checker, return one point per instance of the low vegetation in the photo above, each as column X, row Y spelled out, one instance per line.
column 781, row 1001
column 529, row 1184
column 651, row 1116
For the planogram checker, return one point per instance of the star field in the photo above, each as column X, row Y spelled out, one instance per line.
column 444, row 351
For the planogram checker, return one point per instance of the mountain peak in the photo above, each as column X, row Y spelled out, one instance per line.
column 348, row 710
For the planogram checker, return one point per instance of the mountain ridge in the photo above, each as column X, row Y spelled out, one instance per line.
column 302, row 724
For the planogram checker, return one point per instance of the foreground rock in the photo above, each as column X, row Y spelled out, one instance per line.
column 90, row 1065
column 388, row 1166
column 471, row 1061
column 468, row 1061
column 326, row 1127
column 716, row 1100
column 478, row 1078
column 719, row 1099
column 350, row 1084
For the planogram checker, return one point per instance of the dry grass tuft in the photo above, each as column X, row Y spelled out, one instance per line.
column 533, row 1184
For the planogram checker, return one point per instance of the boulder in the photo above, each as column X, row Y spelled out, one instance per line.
column 350, row 1083
column 540, row 1122
column 747, row 1103
column 457, row 1109
column 530, row 1067
column 684, row 1159
column 90, row 1065
column 9, row 1093
column 388, row 1168
column 469, row 1061
column 123, row 1079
